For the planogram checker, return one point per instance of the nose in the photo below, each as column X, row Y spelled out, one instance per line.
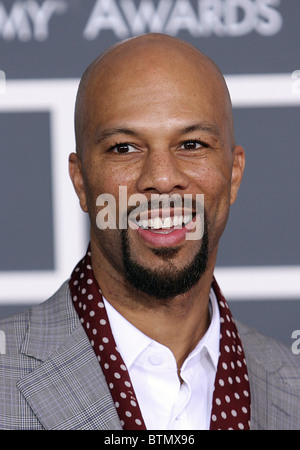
column 162, row 173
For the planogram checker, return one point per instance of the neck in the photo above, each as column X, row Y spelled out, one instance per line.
column 178, row 324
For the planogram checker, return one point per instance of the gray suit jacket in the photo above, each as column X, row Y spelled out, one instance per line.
column 51, row 379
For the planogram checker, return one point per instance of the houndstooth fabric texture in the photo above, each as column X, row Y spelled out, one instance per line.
column 34, row 387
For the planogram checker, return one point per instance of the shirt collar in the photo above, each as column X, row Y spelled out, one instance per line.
column 131, row 342
column 211, row 339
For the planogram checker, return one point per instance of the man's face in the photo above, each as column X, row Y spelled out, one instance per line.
column 158, row 129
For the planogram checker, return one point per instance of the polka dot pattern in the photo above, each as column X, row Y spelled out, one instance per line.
column 231, row 398
column 88, row 302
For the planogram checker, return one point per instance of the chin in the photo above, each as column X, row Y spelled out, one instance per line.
column 167, row 280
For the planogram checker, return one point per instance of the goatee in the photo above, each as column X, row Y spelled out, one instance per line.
column 163, row 285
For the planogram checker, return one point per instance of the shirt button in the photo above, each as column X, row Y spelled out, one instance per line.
column 155, row 359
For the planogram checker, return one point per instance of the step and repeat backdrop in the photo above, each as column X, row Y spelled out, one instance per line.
column 45, row 45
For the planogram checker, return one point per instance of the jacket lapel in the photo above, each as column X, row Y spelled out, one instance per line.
column 68, row 389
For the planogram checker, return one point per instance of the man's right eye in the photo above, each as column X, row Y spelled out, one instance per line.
column 122, row 148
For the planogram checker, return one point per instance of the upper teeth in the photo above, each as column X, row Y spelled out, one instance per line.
column 167, row 222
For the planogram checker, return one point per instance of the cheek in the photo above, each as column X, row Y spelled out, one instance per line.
column 214, row 182
column 100, row 179
column 108, row 176
column 113, row 185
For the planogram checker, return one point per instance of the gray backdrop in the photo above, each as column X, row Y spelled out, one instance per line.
column 255, row 43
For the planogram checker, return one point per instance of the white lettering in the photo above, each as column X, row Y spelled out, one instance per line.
column 2, row 343
column 146, row 16
column 27, row 20
column 211, row 13
column 236, row 27
column 270, row 21
column 121, row 440
column 296, row 82
column 108, row 211
column 142, row 202
column 106, row 15
column 15, row 24
column 30, row 19
column 296, row 345
column 199, row 18
column 146, row 215
column 151, row 439
column 183, row 17
column 123, row 207
column 41, row 15
column 198, row 224
column 2, row 82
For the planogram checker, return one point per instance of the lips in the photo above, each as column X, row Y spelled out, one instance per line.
column 163, row 228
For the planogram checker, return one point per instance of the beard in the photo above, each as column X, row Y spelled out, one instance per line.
column 162, row 285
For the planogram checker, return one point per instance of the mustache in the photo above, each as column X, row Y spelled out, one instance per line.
column 165, row 204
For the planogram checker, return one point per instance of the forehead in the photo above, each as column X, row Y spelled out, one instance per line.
column 157, row 84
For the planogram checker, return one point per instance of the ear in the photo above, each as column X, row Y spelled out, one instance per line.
column 75, row 171
column 237, row 171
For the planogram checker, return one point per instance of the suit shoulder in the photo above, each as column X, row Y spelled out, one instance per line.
column 261, row 345
column 14, row 328
column 274, row 376
column 12, row 332
column 271, row 354
column 26, row 340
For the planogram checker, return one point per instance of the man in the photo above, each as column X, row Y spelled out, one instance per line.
column 141, row 337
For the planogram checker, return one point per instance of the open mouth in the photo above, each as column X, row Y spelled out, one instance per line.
column 165, row 227
column 165, row 224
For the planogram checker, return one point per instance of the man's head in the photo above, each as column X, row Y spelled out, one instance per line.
column 154, row 114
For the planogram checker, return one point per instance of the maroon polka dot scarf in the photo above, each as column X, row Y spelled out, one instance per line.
column 231, row 397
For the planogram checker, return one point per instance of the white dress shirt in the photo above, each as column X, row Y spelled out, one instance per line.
column 165, row 403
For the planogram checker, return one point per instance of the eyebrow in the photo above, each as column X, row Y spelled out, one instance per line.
column 106, row 134
column 205, row 127
column 201, row 126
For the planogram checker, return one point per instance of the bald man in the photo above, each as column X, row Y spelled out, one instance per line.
column 140, row 337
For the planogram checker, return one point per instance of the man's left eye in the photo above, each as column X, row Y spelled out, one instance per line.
column 192, row 145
